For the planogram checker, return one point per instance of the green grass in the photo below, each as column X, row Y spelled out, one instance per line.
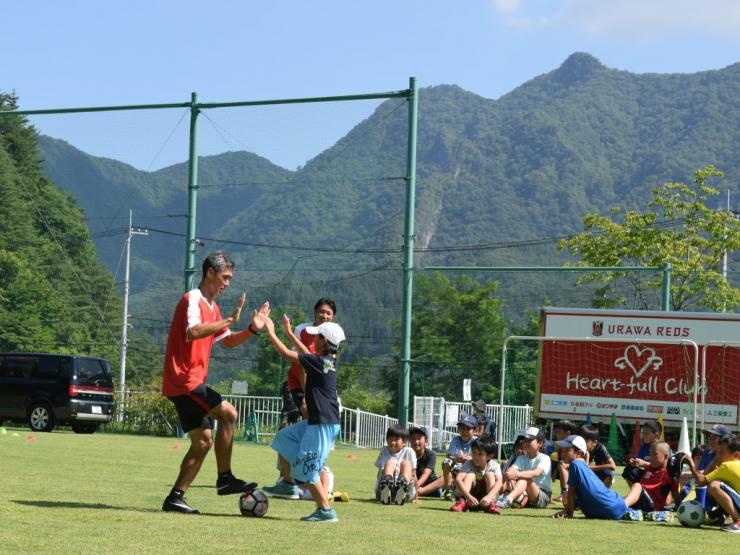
column 102, row 493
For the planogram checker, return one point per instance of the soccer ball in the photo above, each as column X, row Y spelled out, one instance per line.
column 691, row 514
column 253, row 503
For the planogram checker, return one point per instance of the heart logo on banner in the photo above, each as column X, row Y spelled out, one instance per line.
column 639, row 360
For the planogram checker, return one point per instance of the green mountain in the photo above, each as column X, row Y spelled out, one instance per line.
column 498, row 181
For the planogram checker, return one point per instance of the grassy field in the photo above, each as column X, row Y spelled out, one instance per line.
column 102, row 493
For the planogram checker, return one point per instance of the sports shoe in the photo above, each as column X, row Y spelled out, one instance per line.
column 521, row 501
column 504, row 503
column 632, row 514
column 732, row 527
column 660, row 516
column 714, row 517
column 448, row 495
column 460, row 506
column 283, row 490
column 400, row 491
column 492, row 509
column 321, row 515
column 231, row 485
column 177, row 504
column 387, row 485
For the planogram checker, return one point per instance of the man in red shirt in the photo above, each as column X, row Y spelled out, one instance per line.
column 197, row 324
column 323, row 311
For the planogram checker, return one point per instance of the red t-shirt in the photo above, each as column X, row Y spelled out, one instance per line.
column 294, row 374
column 186, row 362
column 657, row 484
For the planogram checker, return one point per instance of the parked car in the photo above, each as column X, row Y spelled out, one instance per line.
column 46, row 389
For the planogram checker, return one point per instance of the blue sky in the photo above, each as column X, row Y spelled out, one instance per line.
column 92, row 53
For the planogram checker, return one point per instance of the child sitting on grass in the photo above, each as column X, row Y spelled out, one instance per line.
column 427, row 482
column 458, row 452
column 650, row 495
column 531, row 472
column 396, row 480
column 479, row 479
column 561, row 430
column 585, row 490
column 599, row 459
column 636, row 465
column 724, row 481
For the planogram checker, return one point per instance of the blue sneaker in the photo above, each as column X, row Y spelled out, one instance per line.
column 660, row 516
column 321, row 515
column 632, row 514
column 283, row 490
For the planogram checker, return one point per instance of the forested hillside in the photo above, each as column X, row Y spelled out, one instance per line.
column 498, row 182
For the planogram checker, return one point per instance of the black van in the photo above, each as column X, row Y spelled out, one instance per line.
column 45, row 389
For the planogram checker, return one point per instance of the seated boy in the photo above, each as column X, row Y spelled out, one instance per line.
column 427, row 482
column 599, row 459
column 724, row 481
column 561, row 430
column 458, row 452
column 635, row 466
column 650, row 494
column 479, row 479
column 585, row 490
column 531, row 472
column 396, row 464
column 507, row 484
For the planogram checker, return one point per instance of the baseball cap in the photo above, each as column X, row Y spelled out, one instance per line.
column 330, row 331
column 719, row 430
column 419, row 430
column 531, row 433
column 573, row 441
column 468, row 421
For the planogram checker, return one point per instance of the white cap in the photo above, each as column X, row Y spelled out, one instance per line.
column 330, row 331
column 530, row 433
column 573, row 441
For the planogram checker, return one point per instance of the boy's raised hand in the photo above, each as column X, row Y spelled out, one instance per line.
column 286, row 323
column 270, row 325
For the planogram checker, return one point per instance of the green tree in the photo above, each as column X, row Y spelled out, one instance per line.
column 677, row 228
column 457, row 332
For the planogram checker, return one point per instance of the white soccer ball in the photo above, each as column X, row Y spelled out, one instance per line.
column 253, row 503
column 691, row 514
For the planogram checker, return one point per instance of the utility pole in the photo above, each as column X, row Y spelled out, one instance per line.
column 124, row 323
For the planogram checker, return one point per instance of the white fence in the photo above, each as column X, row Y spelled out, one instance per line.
column 437, row 414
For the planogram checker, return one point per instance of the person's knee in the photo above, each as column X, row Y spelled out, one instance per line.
column 227, row 414
column 713, row 488
column 202, row 444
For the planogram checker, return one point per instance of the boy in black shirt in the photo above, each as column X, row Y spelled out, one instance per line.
column 599, row 459
column 427, row 483
column 304, row 447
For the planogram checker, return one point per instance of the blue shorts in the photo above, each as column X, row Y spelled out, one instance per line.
column 735, row 496
column 306, row 447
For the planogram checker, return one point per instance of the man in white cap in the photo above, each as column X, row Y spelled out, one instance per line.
column 585, row 490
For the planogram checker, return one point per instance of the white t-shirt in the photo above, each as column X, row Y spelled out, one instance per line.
column 492, row 467
column 404, row 454
column 543, row 481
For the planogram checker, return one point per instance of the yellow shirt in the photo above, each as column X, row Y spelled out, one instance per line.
column 727, row 472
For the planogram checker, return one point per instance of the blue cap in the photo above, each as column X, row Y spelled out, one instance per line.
column 468, row 421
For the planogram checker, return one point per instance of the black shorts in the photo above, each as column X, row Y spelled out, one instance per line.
column 644, row 503
column 298, row 396
column 193, row 408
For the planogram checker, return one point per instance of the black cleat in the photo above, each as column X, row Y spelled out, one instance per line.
column 177, row 504
column 232, row 485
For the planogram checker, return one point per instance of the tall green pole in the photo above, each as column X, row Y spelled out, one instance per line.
column 408, row 262
column 666, row 286
column 192, row 194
